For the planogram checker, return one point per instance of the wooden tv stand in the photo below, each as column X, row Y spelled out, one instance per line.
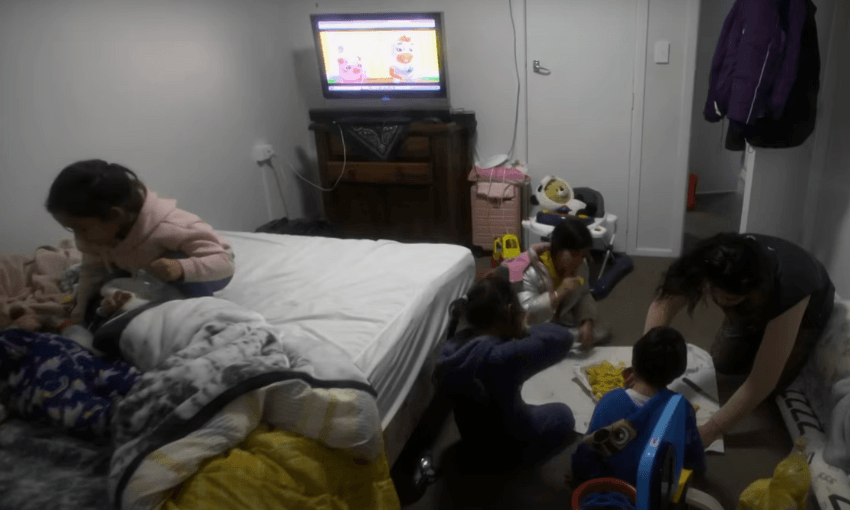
column 421, row 195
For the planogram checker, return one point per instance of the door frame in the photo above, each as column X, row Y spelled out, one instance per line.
column 636, row 150
column 680, row 177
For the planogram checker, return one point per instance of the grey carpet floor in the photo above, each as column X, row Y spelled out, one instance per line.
column 753, row 448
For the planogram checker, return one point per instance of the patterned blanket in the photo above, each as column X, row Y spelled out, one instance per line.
column 211, row 371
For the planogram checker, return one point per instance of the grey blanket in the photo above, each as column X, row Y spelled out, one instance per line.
column 198, row 355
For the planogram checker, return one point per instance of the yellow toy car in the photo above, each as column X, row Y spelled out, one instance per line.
column 505, row 247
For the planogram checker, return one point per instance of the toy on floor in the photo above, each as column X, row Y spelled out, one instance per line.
column 787, row 489
column 504, row 248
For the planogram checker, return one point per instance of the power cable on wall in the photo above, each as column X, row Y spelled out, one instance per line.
column 518, row 82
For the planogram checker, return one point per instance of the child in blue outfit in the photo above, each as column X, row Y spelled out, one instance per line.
column 482, row 370
column 624, row 418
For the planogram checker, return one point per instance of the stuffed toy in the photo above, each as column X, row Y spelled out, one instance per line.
column 557, row 200
column 552, row 194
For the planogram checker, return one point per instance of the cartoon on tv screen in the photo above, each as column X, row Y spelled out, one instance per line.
column 381, row 56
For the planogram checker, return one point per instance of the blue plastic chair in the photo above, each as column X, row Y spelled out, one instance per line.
column 661, row 463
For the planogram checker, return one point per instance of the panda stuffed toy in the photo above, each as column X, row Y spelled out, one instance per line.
column 557, row 200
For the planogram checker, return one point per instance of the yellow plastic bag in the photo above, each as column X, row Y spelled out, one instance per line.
column 786, row 490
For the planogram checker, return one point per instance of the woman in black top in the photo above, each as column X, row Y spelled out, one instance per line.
column 777, row 299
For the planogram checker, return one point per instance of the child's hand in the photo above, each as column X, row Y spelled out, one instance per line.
column 167, row 270
column 570, row 285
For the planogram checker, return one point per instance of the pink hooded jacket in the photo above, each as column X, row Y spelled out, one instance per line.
column 161, row 228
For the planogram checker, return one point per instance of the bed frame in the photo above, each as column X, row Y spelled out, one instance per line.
column 412, row 411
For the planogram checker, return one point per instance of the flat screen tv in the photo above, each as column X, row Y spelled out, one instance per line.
column 386, row 60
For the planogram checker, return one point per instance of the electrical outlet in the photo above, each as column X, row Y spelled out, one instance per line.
column 262, row 152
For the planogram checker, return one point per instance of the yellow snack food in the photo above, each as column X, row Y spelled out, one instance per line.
column 605, row 377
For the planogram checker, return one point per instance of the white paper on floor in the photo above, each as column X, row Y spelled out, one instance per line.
column 559, row 383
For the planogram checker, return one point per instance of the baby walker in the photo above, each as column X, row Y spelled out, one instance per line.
column 662, row 483
column 557, row 200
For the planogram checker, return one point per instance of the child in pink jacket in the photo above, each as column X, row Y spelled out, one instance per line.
column 121, row 227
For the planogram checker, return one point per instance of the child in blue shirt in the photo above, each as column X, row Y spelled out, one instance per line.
column 624, row 418
column 482, row 369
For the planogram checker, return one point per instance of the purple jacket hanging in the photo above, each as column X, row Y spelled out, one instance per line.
column 755, row 63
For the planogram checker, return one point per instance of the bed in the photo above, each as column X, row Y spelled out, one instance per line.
column 384, row 303
column 370, row 311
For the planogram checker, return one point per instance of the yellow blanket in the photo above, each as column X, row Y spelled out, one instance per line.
column 275, row 469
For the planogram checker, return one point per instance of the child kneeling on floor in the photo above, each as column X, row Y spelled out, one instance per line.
column 624, row 418
column 482, row 369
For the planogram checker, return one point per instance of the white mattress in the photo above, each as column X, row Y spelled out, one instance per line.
column 384, row 303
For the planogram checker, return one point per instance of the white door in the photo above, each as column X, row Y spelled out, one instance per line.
column 580, row 105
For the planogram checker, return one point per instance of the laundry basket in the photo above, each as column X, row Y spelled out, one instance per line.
column 497, row 197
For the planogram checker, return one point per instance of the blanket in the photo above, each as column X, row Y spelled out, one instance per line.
column 42, row 468
column 33, row 281
column 49, row 379
column 212, row 371
column 285, row 470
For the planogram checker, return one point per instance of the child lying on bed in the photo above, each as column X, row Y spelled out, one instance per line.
column 483, row 368
column 121, row 225
column 623, row 419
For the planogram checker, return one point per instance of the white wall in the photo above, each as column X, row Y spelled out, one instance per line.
column 717, row 168
column 181, row 91
column 781, row 177
column 178, row 91
column 479, row 46
column 830, row 240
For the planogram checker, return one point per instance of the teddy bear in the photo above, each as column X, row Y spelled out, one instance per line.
column 558, row 200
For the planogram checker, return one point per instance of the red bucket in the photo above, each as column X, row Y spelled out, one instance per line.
column 603, row 484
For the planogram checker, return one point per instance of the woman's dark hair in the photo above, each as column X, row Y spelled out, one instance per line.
column 93, row 187
column 730, row 262
column 660, row 356
column 570, row 234
column 484, row 305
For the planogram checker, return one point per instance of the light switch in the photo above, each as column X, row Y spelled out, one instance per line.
column 662, row 52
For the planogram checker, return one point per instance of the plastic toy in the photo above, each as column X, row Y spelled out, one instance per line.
column 505, row 247
column 662, row 483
